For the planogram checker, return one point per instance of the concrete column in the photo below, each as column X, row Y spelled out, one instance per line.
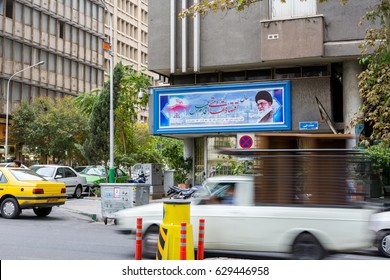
column 351, row 99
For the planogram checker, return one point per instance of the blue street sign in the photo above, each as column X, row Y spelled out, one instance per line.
column 308, row 125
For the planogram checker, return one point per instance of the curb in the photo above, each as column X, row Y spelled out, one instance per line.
column 94, row 217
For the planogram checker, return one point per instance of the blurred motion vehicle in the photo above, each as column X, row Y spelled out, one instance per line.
column 96, row 174
column 10, row 164
column 235, row 221
column 380, row 224
column 22, row 188
column 75, row 184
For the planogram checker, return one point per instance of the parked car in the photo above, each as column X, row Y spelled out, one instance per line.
column 75, row 184
column 96, row 174
column 22, row 188
column 79, row 168
column 10, row 164
column 380, row 224
column 235, row 223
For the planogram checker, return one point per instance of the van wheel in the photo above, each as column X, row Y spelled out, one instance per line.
column 78, row 191
column 384, row 244
column 149, row 242
column 307, row 247
column 10, row 208
column 42, row 211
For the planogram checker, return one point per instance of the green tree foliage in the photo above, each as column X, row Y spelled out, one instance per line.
column 86, row 100
column 96, row 148
column 128, row 106
column 127, row 84
column 173, row 154
column 49, row 127
column 374, row 81
column 204, row 7
column 144, row 149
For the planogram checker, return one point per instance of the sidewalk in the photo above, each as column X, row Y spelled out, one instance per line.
column 92, row 206
column 89, row 206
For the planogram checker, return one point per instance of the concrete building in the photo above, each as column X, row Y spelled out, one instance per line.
column 68, row 36
column 306, row 52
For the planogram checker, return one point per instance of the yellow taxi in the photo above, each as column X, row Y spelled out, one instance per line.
column 24, row 189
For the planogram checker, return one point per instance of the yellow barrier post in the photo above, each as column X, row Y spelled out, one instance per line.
column 168, row 247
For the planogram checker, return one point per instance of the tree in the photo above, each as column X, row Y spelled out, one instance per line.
column 204, row 7
column 128, row 106
column 374, row 81
column 49, row 127
column 127, row 83
column 175, row 160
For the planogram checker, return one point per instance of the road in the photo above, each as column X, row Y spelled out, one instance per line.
column 64, row 235
column 60, row 236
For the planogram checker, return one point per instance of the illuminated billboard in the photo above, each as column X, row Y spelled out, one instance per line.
column 222, row 108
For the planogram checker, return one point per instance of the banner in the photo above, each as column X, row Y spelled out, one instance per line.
column 222, row 108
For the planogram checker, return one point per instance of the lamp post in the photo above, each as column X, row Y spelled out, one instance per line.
column 111, row 172
column 7, row 106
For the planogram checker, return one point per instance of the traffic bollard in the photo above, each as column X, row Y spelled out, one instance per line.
column 168, row 247
column 138, row 240
column 183, row 241
column 200, row 253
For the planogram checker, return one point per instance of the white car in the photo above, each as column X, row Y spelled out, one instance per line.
column 237, row 224
column 11, row 164
column 75, row 184
column 380, row 224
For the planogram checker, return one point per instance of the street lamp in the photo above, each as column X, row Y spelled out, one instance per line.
column 111, row 172
column 7, row 106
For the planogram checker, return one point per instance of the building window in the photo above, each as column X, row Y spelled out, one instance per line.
column 27, row 16
column 60, row 29
column 18, row 12
column 293, row 8
column 9, row 8
column 1, row 7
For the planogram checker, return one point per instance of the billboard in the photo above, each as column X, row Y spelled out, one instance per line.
column 222, row 108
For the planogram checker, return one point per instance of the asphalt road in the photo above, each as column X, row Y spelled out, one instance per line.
column 60, row 236
column 65, row 235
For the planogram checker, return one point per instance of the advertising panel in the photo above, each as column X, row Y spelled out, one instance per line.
column 222, row 108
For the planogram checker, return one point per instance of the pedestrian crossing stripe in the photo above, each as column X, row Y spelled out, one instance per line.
column 161, row 242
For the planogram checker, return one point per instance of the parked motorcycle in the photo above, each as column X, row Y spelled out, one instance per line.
column 176, row 192
column 140, row 179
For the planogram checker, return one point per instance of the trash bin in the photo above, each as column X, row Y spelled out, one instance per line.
column 117, row 196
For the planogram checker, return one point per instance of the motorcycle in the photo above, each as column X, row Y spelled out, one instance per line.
column 176, row 192
column 140, row 179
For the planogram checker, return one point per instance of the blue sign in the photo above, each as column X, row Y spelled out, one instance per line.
column 222, row 108
column 308, row 125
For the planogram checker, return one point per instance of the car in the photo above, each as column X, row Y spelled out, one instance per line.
column 380, row 224
column 10, row 164
column 22, row 188
column 234, row 222
column 75, row 184
column 96, row 174
column 79, row 168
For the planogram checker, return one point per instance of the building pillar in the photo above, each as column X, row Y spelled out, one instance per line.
column 351, row 98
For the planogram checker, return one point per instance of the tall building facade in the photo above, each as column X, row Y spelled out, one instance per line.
column 304, row 53
column 68, row 36
column 130, row 37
